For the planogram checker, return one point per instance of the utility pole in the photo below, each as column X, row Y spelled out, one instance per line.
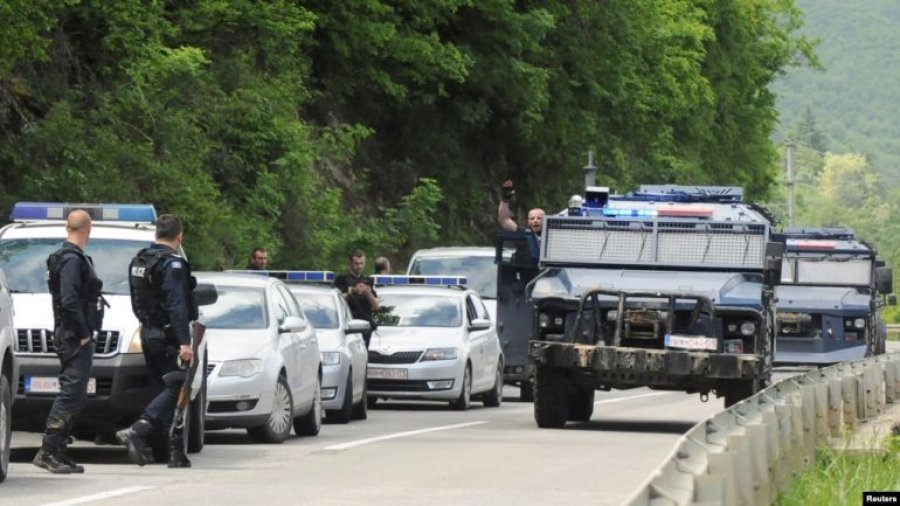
column 789, row 155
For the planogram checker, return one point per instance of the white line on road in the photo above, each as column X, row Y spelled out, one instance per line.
column 629, row 398
column 360, row 442
column 97, row 497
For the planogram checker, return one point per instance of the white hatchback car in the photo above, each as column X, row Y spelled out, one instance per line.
column 8, row 372
column 264, row 371
column 344, row 356
column 434, row 343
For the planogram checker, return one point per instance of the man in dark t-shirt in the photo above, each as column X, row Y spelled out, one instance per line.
column 358, row 291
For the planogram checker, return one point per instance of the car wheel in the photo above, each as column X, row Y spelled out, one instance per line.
column 343, row 415
column 361, row 409
column 311, row 423
column 464, row 401
column 278, row 427
column 5, row 426
column 196, row 433
column 494, row 398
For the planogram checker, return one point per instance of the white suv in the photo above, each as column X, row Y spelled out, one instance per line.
column 8, row 372
column 119, row 386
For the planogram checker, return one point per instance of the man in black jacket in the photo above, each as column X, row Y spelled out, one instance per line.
column 77, row 314
column 161, row 286
column 359, row 291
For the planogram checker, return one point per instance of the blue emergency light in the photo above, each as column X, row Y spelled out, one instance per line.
column 397, row 280
column 40, row 211
column 294, row 276
column 608, row 211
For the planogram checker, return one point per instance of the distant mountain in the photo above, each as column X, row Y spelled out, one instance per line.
column 855, row 99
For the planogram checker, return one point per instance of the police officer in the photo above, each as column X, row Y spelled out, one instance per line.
column 77, row 313
column 161, row 286
column 359, row 292
column 507, row 223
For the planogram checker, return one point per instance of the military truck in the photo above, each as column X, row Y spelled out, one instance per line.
column 667, row 287
column 833, row 289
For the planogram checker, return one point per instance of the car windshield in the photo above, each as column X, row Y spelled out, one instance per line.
column 480, row 271
column 25, row 262
column 319, row 309
column 237, row 307
column 417, row 311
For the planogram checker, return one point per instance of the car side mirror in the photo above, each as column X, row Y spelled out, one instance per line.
column 773, row 263
column 480, row 324
column 358, row 327
column 205, row 294
column 884, row 279
column 292, row 324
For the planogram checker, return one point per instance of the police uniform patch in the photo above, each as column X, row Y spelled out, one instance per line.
column 176, row 264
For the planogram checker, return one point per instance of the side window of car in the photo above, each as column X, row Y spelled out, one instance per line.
column 293, row 308
column 471, row 313
column 480, row 310
column 281, row 306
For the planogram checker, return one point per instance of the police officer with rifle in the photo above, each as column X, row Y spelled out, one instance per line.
column 161, row 286
column 77, row 314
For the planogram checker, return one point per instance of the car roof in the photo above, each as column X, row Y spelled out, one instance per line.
column 456, row 251
column 99, row 230
column 310, row 288
column 232, row 279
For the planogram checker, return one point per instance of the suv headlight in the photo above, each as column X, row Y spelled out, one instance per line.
column 331, row 357
column 135, row 346
column 243, row 368
column 859, row 323
column 439, row 354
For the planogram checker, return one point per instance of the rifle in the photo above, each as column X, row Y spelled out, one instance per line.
column 192, row 381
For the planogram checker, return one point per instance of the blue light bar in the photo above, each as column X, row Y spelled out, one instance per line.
column 397, row 280
column 40, row 211
column 295, row 276
column 683, row 193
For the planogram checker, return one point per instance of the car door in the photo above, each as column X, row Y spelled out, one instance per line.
column 359, row 358
column 491, row 340
column 477, row 342
column 309, row 346
column 288, row 344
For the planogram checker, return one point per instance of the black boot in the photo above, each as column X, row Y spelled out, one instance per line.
column 48, row 457
column 135, row 438
column 177, row 457
column 64, row 456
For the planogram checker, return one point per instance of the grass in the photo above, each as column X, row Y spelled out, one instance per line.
column 841, row 477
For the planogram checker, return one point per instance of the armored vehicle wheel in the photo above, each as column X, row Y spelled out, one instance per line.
column 735, row 391
column 526, row 391
column 581, row 405
column 551, row 398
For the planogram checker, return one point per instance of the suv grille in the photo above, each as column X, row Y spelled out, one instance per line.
column 403, row 357
column 41, row 341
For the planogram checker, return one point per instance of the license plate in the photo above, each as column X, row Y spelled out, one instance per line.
column 691, row 342
column 50, row 385
column 385, row 373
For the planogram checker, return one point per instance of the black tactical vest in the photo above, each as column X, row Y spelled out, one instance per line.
column 145, row 280
column 89, row 293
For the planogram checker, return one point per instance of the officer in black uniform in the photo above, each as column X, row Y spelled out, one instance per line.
column 359, row 292
column 77, row 315
column 161, row 287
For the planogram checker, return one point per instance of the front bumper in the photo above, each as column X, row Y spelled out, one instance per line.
column 817, row 351
column 418, row 374
column 334, row 384
column 227, row 393
column 124, row 388
column 621, row 367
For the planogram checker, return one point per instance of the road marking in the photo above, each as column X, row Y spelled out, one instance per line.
column 97, row 497
column 360, row 442
column 629, row 398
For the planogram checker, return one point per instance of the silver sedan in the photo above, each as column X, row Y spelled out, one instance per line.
column 264, row 370
column 343, row 350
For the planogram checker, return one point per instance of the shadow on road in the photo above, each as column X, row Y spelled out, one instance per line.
column 82, row 455
column 644, row 426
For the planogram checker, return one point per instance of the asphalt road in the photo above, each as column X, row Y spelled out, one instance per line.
column 404, row 454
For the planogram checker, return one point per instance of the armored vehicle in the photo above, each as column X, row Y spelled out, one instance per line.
column 833, row 289
column 668, row 287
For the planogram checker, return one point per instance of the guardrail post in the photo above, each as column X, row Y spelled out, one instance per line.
column 835, row 406
column 721, row 466
column 762, row 493
column 808, row 396
column 849, row 394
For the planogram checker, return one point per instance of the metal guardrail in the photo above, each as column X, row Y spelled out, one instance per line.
column 748, row 453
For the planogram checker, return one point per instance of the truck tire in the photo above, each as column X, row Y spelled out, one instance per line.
column 737, row 390
column 581, row 405
column 551, row 398
column 526, row 391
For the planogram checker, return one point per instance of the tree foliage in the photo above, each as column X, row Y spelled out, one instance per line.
column 315, row 127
